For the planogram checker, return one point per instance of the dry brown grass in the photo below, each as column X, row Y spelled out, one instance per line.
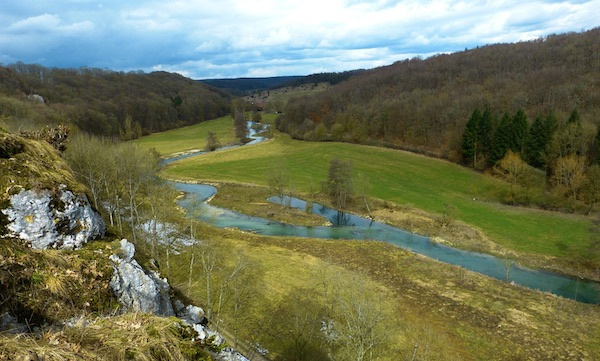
column 48, row 286
column 449, row 313
column 127, row 337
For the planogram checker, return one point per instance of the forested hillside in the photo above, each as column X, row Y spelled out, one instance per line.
column 331, row 78
column 244, row 86
column 424, row 105
column 104, row 102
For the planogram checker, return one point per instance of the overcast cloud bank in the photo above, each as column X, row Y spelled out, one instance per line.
column 235, row 38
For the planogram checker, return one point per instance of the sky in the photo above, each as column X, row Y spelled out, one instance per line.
column 204, row 39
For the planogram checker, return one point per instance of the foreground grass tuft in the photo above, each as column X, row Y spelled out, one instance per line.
column 125, row 337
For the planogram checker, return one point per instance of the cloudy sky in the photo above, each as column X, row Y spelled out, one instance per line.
column 243, row 38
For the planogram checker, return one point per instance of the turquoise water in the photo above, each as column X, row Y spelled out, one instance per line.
column 348, row 226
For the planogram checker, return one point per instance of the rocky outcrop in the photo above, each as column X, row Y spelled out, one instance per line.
column 194, row 316
column 47, row 220
column 10, row 324
column 147, row 292
column 137, row 290
column 36, row 98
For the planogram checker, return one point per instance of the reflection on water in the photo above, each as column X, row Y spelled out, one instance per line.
column 349, row 226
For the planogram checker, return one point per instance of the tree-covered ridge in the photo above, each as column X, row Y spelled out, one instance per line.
column 331, row 78
column 424, row 105
column 244, row 86
column 105, row 102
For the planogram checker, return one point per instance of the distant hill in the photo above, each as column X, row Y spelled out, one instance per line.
column 247, row 86
column 423, row 105
column 244, row 86
column 105, row 102
column 331, row 78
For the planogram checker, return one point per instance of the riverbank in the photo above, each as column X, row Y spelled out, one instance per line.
column 251, row 199
column 444, row 310
column 429, row 190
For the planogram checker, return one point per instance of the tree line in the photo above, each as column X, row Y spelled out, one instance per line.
column 423, row 105
column 106, row 103
column 566, row 151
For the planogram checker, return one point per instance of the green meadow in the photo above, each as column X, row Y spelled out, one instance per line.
column 444, row 309
column 403, row 178
column 190, row 137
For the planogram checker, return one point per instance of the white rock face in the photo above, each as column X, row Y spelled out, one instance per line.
column 194, row 316
column 62, row 221
column 136, row 289
column 36, row 98
column 10, row 324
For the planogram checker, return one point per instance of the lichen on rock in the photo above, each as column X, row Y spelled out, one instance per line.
column 45, row 220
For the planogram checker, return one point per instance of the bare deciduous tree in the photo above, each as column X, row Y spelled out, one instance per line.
column 212, row 141
column 569, row 175
column 279, row 180
column 339, row 184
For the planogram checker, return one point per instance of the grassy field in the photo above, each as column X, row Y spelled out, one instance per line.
column 190, row 137
column 194, row 136
column 447, row 312
column 450, row 313
column 403, row 178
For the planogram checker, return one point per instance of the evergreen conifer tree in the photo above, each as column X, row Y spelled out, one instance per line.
column 518, row 131
column 574, row 117
column 485, row 133
column 502, row 139
column 471, row 138
column 536, row 143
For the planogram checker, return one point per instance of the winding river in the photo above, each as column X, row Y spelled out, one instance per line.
column 349, row 226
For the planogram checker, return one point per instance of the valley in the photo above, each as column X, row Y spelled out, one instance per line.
column 411, row 285
column 444, row 208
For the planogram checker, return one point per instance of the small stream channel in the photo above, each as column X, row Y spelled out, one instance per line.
column 349, row 226
column 252, row 134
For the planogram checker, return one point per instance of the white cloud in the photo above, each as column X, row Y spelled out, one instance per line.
column 203, row 38
column 48, row 24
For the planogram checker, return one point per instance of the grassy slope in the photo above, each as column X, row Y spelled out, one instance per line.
column 190, row 137
column 51, row 286
column 404, row 178
column 449, row 312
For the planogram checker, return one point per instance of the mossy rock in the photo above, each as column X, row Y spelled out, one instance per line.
column 10, row 146
column 32, row 164
column 44, row 287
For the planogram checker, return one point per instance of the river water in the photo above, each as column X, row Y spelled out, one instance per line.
column 349, row 226
column 252, row 134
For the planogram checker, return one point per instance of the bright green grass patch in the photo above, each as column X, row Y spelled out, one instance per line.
column 404, row 178
column 268, row 118
column 190, row 137
column 194, row 136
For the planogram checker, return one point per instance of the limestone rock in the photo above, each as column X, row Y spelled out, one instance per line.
column 64, row 220
column 136, row 289
column 10, row 324
column 192, row 315
column 36, row 98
